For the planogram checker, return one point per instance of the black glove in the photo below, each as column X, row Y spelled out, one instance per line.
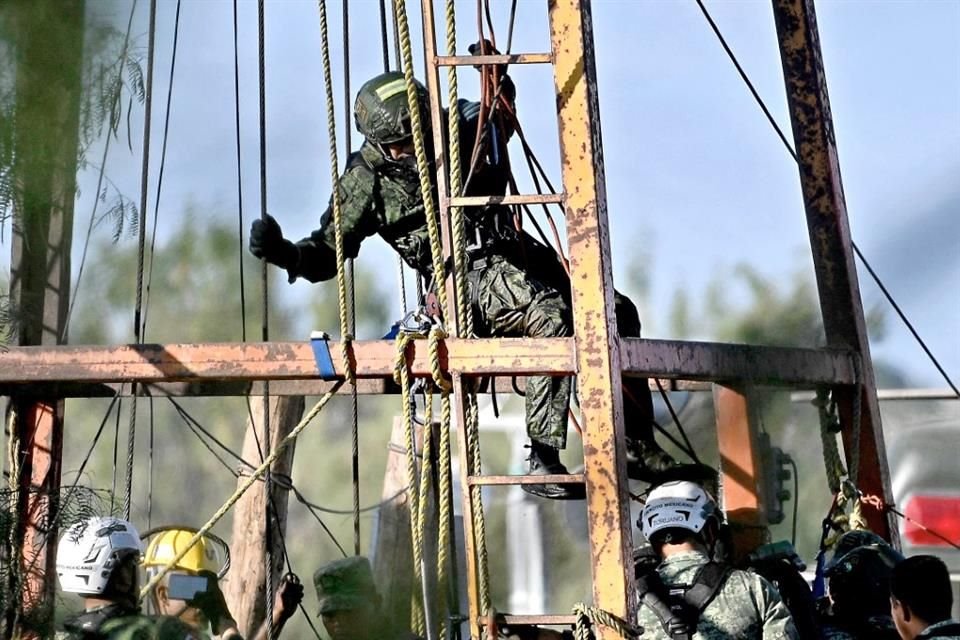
column 288, row 598
column 213, row 605
column 489, row 50
column 267, row 242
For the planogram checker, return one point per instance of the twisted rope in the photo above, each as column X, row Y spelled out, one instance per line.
column 832, row 461
column 345, row 335
column 589, row 615
column 238, row 493
column 423, row 165
column 457, row 221
column 401, row 375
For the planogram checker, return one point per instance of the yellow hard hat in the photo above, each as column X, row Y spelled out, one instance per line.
column 168, row 544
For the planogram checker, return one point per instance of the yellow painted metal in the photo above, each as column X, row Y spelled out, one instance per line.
column 598, row 357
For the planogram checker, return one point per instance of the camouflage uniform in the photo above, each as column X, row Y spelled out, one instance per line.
column 746, row 607
column 946, row 629
column 518, row 288
column 114, row 622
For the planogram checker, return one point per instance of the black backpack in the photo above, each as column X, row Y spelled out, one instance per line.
column 678, row 608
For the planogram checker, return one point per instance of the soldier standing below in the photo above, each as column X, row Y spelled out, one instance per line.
column 921, row 599
column 350, row 604
column 691, row 597
column 517, row 285
column 97, row 559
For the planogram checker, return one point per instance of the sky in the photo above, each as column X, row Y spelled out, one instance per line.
column 697, row 180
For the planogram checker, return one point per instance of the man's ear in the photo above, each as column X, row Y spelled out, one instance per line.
column 162, row 595
column 907, row 614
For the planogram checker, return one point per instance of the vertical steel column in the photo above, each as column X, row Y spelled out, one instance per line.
column 598, row 353
column 833, row 258
column 743, row 498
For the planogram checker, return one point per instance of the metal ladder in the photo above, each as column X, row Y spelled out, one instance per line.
column 604, row 453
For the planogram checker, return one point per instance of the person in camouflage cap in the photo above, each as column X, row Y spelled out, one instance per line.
column 350, row 604
column 518, row 286
column 688, row 596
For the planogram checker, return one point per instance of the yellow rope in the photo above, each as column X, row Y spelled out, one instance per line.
column 589, row 615
column 401, row 375
column 444, row 498
column 832, row 461
column 346, row 337
column 456, row 187
column 436, row 336
column 254, row 477
column 423, row 165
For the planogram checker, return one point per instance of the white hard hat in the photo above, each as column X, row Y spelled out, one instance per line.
column 677, row 505
column 90, row 550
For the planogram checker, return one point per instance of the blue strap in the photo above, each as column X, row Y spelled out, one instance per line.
column 819, row 582
column 321, row 353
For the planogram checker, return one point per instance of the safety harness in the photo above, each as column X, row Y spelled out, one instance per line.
column 678, row 608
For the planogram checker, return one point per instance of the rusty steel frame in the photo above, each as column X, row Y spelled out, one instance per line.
column 832, row 246
column 215, row 364
column 506, row 384
column 511, row 58
column 598, row 354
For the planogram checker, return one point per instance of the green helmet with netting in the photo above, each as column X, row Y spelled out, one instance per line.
column 381, row 111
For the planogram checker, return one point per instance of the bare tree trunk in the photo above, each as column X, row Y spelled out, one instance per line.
column 245, row 587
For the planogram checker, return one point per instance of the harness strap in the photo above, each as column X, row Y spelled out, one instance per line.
column 678, row 610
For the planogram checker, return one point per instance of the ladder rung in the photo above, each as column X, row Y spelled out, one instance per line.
column 479, row 201
column 533, row 619
column 556, row 478
column 513, row 58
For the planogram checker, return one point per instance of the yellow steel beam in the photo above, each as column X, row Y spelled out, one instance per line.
column 598, row 357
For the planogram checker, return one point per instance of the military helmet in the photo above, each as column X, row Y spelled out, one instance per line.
column 859, row 575
column 382, row 112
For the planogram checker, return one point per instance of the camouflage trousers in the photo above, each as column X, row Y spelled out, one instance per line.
column 509, row 301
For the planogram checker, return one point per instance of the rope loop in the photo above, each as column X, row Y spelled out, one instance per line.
column 588, row 616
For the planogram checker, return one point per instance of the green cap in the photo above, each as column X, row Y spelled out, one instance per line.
column 344, row 584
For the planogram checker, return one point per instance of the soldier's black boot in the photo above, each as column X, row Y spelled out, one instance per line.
column 646, row 461
column 545, row 460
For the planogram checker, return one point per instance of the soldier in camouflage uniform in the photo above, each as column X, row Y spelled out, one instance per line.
column 97, row 559
column 350, row 605
column 858, row 577
column 688, row 596
column 518, row 286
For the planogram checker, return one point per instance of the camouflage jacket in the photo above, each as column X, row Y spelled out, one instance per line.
column 946, row 629
column 746, row 607
column 102, row 624
column 383, row 197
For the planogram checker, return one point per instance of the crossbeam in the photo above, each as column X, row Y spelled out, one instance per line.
column 228, row 368
column 502, row 384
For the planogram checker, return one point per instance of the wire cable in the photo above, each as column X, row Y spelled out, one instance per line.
column 796, row 500
column 163, row 163
column 141, row 246
column 793, row 154
column 236, row 104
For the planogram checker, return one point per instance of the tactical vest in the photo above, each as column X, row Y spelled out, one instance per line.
column 678, row 608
